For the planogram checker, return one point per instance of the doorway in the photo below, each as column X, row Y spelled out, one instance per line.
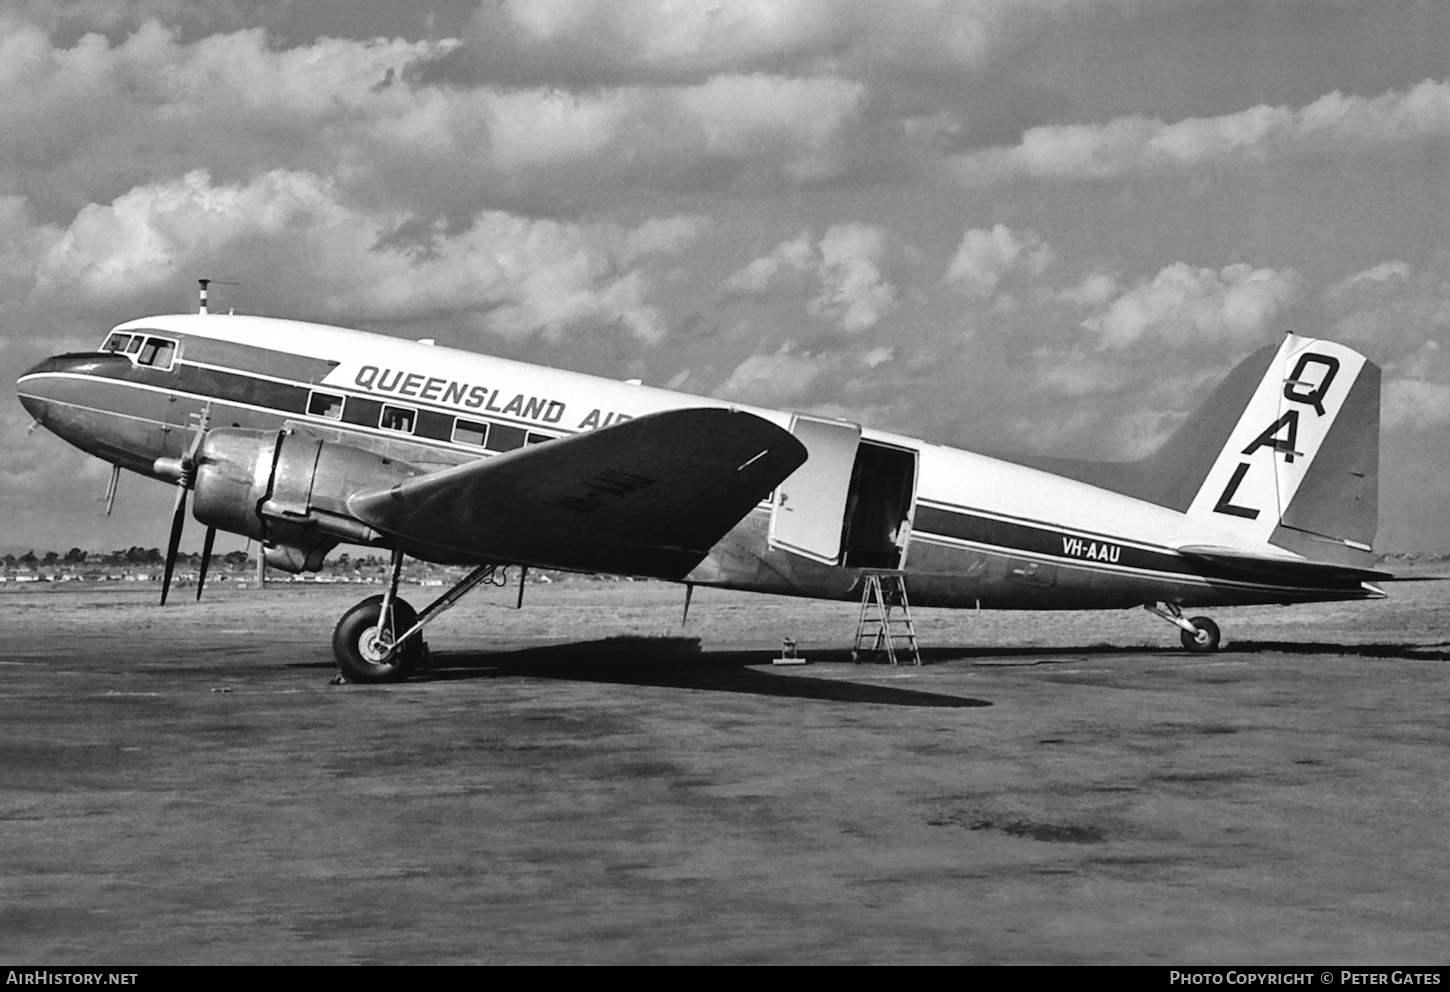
column 878, row 503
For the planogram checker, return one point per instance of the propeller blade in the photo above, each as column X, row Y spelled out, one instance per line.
column 203, row 421
column 178, row 515
column 205, row 560
column 110, row 496
column 178, row 520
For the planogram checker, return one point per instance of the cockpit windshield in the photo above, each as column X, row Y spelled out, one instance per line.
column 156, row 352
column 143, row 349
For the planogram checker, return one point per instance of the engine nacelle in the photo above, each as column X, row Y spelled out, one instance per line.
column 288, row 491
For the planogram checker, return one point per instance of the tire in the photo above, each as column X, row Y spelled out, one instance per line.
column 356, row 629
column 1208, row 632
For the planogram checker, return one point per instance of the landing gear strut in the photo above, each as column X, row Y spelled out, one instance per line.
column 1199, row 634
column 381, row 638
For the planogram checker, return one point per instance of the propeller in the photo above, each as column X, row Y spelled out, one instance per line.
column 205, row 560
column 184, row 471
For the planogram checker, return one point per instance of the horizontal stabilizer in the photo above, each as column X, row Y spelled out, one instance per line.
column 1279, row 567
column 649, row 496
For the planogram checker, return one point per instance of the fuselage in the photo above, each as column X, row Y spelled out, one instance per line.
column 966, row 528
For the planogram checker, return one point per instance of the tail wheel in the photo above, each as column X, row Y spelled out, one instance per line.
column 360, row 643
column 1207, row 639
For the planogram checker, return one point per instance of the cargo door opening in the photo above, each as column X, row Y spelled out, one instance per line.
column 878, row 506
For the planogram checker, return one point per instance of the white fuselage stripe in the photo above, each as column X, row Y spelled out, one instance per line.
column 1188, row 578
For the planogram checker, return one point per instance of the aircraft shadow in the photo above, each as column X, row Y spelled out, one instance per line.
column 1439, row 651
column 1408, row 652
column 680, row 663
column 671, row 662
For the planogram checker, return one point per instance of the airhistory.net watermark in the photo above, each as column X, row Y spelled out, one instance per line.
column 47, row 977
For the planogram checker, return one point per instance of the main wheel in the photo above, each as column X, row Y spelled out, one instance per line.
column 1207, row 639
column 360, row 645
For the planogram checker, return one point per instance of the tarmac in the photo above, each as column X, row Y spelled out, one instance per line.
column 585, row 781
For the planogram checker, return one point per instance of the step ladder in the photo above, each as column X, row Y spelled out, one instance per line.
column 885, row 619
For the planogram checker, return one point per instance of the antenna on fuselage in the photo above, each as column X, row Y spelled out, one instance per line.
column 201, row 302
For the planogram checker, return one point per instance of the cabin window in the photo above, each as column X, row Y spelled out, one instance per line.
column 398, row 418
column 539, row 438
column 134, row 345
column 362, row 411
column 326, row 405
column 469, row 432
column 435, row 425
column 502, row 437
column 156, row 353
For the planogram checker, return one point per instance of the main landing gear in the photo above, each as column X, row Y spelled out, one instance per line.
column 1199, row 634
column 381, row 638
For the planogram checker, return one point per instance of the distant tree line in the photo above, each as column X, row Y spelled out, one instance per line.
column 137, row 555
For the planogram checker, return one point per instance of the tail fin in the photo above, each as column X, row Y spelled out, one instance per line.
column 1284, row 450
column 1300, row 466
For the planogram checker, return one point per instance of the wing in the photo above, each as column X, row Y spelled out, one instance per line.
column 650, row 496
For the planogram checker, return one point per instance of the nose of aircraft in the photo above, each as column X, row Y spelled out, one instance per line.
column 32, row 388
column 33, row 406
column 76, row 397
column 54, row 378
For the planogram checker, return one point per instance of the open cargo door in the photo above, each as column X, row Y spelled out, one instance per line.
column 810, row 505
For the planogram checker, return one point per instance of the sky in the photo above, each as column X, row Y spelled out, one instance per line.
column 1047, row 226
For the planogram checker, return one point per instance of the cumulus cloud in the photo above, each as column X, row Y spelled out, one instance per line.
column 1393, row 310
column 97, row 118
column 794, row 256
column 1183, row 306
column 1379, row 278
column 22, row 243
column 1333, row 123
column 511, row 275
column 958, row 364
column 664, row 236
column 758, row 126
column 591, row 42
column 1414, row 403
column 843, row 272
column 985, row 256
column 1399, row 317
column 1119, row 390
column 1095, row 289
column 877, row 356
column 853, row 290
column 781, row 378
column 1075, row 376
